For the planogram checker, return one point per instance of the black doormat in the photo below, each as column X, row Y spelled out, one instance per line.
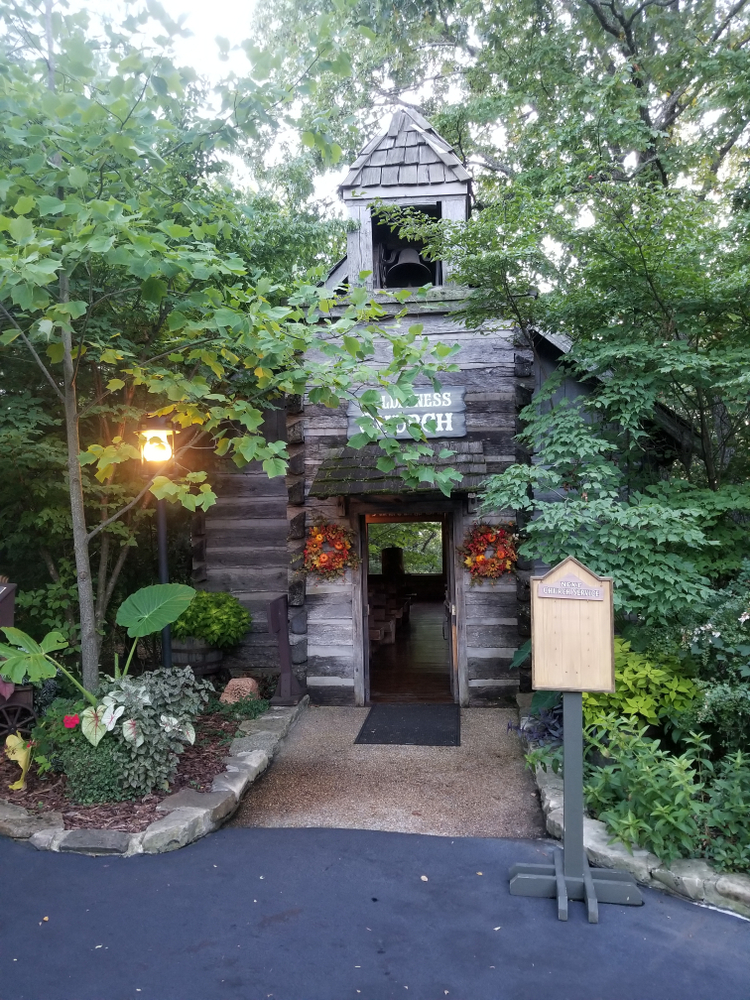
column 412, row 725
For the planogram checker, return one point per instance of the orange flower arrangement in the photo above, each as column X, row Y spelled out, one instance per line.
column 328, row 551
column 489, row 551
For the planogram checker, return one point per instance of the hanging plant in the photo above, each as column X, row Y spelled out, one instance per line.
column 329, row 551
column 489, row 551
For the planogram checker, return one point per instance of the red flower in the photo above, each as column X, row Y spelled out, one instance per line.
column 71, row 721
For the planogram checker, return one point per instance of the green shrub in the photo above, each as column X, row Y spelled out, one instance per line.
column 729, row 802
column 51, row 736
column 677, row 806
column 217, row 618
column 94, row 774
column 719, row 636
column 159, row 710
column 656, row 694
column 723, row 711
column 647, row 796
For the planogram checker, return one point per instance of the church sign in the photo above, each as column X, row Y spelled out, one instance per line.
column 447, row 408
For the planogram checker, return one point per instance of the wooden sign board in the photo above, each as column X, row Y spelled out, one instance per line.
column 572, row 630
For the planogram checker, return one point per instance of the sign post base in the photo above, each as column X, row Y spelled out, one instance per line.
column 570, row 876
column 597, row 886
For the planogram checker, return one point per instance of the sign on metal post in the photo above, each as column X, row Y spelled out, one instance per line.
column 572, row 645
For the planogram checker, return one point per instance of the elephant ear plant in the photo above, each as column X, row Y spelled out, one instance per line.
column 146, row 611
column 150, row 610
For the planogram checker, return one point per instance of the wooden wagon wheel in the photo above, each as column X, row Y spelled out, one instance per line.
column 16, row 719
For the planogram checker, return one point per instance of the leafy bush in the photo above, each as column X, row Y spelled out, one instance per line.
column 647, row 796
column 51, row 736
column 656, row 694
column 673, row 805
column 723, row 711
column 94, row 774
column 217, row 618
column 719, row 637
column 729, row 846
column 159, row 708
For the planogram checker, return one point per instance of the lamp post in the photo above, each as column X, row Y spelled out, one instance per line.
column 157, row 448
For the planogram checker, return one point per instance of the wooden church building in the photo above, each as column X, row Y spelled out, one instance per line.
column 382, row 633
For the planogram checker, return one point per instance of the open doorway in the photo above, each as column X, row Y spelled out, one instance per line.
column 407, row 583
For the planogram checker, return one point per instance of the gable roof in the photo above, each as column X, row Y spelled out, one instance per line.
column 410, row 152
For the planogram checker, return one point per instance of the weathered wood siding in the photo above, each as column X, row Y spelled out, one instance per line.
column 240, row 546
column 497, row 376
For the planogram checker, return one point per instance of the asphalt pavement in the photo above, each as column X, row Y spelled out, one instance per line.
column 321, row 914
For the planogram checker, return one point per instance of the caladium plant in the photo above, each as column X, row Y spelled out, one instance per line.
column 92, row 724
column 171, row 724
column 131, row 730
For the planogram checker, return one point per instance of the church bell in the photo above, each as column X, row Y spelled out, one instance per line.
column 408, row 271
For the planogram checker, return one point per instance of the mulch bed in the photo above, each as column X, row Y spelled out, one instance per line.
column 199, row 765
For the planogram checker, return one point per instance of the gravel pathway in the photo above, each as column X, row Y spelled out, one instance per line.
column 320, row 778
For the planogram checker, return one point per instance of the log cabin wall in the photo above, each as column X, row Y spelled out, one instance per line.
column 251, row 542
column 497, row 375
column 240, row 545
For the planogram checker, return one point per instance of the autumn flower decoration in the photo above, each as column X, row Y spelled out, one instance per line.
column 489, row 551
column 329, row 551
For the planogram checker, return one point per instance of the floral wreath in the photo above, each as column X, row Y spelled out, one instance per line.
column 328, row 551
column 489, row 551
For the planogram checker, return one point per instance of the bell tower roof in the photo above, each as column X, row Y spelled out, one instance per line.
column 410, row 154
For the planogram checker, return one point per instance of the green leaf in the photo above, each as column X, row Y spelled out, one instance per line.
column 521, row 655
column 22, row 640
column 55, row 351
column 21, row 229
column 78, row 177
column 153, row 290
column 151, row 609
column 543, row 699
column 92, row 724
column 54, row 641
column 115, row 383
column 24, row 205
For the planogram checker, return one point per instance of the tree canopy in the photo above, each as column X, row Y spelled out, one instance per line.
column 136, row 280
column 609, row 146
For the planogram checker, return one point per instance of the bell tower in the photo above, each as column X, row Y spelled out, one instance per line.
column 413, row 167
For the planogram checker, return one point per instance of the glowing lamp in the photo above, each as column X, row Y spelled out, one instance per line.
column 157, row 442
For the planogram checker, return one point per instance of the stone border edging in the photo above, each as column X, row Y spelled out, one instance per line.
column 189, row 814
column 695, row 880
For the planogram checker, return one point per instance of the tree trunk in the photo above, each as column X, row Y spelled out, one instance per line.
column 89, row 634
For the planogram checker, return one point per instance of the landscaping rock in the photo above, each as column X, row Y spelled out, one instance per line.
column 254, row 762
column 217, row 804
column 17, row 822
column 603, row 854
column 686, row 878
column 555, row 823
column 234, row 782
column 735, row 887
column 278, row 725
column 47, row 840
column 179, row 828
column 266, row 742
column 239, row 688
column 94, row 842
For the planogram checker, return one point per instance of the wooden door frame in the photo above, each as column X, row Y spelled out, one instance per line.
column 450, row 515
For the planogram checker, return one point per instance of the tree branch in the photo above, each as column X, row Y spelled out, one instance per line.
column 34, row 354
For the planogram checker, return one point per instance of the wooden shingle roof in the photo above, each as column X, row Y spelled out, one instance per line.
column 350, row 471
column 410, row 152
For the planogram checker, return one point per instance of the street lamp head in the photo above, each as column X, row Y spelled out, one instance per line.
column 157, row 441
